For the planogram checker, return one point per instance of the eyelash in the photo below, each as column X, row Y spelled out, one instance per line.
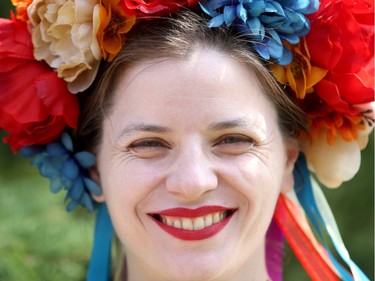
column 148, row 143
column 235, row 139
column 149, row 147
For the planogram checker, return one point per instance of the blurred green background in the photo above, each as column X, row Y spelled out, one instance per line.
column 40, row 241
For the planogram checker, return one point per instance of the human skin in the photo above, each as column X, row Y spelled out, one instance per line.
column 189, row 133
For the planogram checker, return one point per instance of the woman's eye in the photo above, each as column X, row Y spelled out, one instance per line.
column 235, row 140
column 146, row 144
column 234, row 144
column 149, row 147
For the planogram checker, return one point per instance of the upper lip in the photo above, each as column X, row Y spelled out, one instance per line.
column 192, row 213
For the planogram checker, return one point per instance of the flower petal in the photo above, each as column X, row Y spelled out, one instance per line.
column 92, row 186
column 70, row 169
column 334, row 164
column 85, row 159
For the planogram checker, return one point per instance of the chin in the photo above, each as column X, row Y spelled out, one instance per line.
column 214, row 267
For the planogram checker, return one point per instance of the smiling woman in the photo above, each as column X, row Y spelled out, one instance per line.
column 204, row 160
column 185, row 141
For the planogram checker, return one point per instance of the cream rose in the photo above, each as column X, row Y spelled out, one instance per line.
column 62, row 35
column 339, row 162
column 333, row 164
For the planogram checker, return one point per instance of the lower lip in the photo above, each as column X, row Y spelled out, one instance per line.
column 192, row 235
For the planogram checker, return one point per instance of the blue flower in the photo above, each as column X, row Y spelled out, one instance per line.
column 265, row 22
column 66, row 169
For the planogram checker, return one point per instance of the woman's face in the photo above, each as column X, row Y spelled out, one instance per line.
column 191, row 163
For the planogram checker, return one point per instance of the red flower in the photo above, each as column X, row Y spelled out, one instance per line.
column 35, row 105
column 153, row 7
column 341, row 41
column 342, row 34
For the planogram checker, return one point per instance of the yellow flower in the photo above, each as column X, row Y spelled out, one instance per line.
column 21, row 8
column 62, row 35
column 110, row 24
column 299, row 74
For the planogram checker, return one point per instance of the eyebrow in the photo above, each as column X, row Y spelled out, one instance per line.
column 134, row 128
column 230, row 124
column 216, row 126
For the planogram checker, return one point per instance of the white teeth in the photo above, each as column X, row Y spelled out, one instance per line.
column 194, row 224
column 169, row 221
column 221, row 216
column 177, row 224
column 216, row 218
column 208, row 220
column 199, row 223
column 187, row 224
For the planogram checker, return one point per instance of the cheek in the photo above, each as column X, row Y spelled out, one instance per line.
column 260, row 182
column 128, row 183
column 125, row 189
column 261, row 175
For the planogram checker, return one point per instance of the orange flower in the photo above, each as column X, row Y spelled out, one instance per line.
column 336, row 124
column 299, row 74
column 110, row 25
column 21, row 8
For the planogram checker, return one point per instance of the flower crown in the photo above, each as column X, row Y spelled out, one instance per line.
column 321, row 51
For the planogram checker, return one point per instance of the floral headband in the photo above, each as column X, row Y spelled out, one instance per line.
column 320, row 51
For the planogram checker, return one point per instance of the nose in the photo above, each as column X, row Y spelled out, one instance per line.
column 192, row 175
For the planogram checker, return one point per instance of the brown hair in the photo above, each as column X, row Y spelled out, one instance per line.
column 177, row 37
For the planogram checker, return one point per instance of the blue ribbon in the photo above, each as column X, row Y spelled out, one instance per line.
column 305, row 195
column 100, row 262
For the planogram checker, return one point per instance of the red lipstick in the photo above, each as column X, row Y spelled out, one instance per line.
column 180, row 214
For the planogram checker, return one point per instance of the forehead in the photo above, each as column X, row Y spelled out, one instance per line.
column 207, row 84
